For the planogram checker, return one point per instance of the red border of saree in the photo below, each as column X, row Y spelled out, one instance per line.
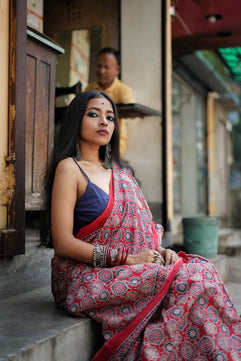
column 99, row 221
column 110, row 347
column 155, row 234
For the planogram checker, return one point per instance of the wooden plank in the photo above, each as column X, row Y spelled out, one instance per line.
column 8, row 238
column 34, row 202
column 4, row 41
column 133, row 110
column 20, row 116
column 41, row 115
column 30, row 109
column 41, row 125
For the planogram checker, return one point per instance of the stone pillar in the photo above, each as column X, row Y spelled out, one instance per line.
column 141, row 69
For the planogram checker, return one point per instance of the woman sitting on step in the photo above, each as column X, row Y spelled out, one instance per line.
column 152, row 303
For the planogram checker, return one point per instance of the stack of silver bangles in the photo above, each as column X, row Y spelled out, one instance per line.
column 104, row 256
column 99, row 256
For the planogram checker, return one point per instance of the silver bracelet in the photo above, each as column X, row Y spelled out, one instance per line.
column 94, row 257
column 99, row 255
column 113, row 255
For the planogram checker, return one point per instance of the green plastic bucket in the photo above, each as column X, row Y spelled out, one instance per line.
column 201, row 235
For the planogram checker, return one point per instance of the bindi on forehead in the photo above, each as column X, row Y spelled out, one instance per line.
column 104, row 102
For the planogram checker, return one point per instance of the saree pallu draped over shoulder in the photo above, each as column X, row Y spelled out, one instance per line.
column 147, row 311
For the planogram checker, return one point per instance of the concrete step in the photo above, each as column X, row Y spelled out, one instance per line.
column 226, row 234
column 220, row 261
column 33, row 329
column 234, row 268
column 229, row 241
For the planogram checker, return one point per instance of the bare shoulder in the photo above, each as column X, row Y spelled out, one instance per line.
column 66, row 167
column 64, row 186
column 67, row 171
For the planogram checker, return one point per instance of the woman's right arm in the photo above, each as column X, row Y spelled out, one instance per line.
column 64, row 195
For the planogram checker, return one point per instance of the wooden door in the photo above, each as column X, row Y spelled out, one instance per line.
column 41, row 64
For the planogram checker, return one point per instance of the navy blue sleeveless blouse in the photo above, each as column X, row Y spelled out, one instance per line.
column 90, row 205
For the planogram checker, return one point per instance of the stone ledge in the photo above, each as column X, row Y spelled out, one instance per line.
column 220, row 261
column 33, row 329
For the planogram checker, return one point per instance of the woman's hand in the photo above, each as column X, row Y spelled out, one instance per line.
column 170, row 257
column 160, row 256
column 147, row 256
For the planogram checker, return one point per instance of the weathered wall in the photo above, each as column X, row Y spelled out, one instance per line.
column 4, row 24
column 141, row 69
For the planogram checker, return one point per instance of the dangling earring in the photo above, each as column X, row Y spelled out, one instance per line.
column 77, row 152
column 107, row 163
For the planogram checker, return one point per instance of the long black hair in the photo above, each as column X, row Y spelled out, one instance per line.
column 65, row 147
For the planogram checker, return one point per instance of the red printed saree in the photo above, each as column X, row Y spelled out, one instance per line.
column 147, row 312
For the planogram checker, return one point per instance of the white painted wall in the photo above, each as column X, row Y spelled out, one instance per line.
column 141, row 69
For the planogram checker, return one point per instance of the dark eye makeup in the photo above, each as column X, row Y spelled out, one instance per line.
column 110, row 117
column 92, row 114
column 95, row 115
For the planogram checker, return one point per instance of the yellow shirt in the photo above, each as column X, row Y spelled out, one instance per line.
column 120, row 93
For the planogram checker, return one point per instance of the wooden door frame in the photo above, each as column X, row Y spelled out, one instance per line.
column 12, row 238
